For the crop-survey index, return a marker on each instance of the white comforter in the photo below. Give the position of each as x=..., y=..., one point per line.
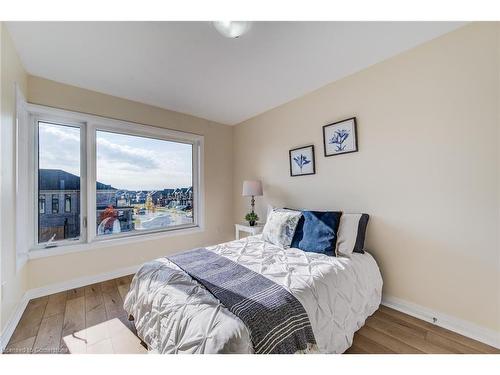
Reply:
x=178, y=315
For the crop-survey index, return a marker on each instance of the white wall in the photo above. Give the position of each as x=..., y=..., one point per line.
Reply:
x=427, y=170
x=14, y=282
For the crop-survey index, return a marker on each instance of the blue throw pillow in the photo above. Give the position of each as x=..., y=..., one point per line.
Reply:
x=299, y=233
x=316, y=232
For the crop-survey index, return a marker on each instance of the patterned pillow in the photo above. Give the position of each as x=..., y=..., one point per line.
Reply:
x=280, y=227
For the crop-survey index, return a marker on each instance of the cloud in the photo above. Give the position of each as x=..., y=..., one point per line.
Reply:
x=138, y=163
x=125, y=157
x=59, y=148
x=69, y=134
x=123, y=162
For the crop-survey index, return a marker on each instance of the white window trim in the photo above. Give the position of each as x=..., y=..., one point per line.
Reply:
x=34, y=118
x=24, y=200
x=89, y=124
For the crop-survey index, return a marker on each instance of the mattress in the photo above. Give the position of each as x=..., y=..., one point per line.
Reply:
x=176, y=314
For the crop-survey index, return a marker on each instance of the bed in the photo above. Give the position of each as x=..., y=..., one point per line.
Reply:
x=174, y=313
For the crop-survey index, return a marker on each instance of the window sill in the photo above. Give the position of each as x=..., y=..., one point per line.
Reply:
x=103, y=243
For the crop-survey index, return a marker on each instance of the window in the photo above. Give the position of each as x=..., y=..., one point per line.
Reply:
x=113, y=179
x=58, y=175
x=143, y=183
x=67, y=202
x=41, y=204
x=55, y=204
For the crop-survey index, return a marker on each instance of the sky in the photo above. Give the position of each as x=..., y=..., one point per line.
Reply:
x=123, y=161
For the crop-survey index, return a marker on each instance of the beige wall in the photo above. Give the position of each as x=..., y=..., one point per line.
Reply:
x=218, y=183
x=11, y=73
x=427, y=170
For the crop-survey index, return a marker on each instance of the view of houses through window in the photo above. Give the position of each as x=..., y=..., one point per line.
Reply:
x=143, y=183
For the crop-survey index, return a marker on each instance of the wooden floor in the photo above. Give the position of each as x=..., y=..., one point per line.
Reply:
x=91, y=319
x=389, y=331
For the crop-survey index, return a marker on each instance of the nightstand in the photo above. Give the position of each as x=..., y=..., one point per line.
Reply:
x=256, y=229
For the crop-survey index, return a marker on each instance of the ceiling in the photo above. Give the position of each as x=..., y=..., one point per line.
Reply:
x=190, y=68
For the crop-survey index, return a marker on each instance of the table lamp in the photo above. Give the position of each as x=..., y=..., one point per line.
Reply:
x=252, y=188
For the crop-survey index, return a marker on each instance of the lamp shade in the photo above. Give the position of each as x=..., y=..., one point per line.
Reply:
x=252, y=187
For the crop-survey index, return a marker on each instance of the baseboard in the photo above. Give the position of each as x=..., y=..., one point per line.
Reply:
x=462, y=327
x=56, y=288
x=79, y=282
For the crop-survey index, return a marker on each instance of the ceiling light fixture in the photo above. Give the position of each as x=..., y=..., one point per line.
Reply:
x=232, y=29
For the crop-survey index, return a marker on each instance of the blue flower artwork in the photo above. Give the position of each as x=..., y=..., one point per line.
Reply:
x=301, y=160
x=338, y=139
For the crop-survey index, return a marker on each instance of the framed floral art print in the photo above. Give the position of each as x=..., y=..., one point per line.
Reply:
x=302, y=161
x=340, y=137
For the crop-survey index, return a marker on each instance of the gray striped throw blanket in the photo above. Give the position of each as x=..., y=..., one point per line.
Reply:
x=276, y=320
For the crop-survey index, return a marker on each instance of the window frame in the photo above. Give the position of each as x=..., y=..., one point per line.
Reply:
x=50, y=116
x=89, y=125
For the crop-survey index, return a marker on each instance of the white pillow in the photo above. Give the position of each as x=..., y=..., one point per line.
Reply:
x=351, y=233
x=280, y=227
x=270, y=208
